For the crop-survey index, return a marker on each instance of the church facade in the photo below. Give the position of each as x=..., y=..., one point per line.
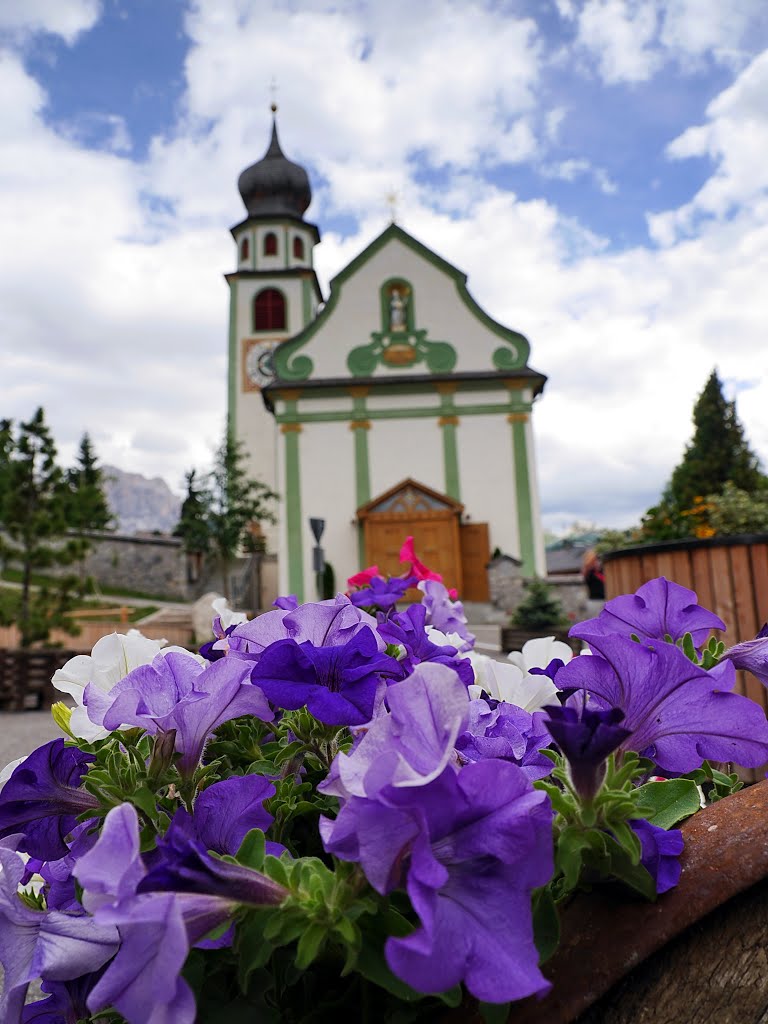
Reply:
x=396, y=407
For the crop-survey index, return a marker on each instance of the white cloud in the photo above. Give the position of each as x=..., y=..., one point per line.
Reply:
x=117, y=311
x=735, y=138
x=631, y=40
x=65, y=18
x=574, y=168
x=620, y=34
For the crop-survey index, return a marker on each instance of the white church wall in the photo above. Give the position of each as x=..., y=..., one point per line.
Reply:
x=328, y=492
x=487, y=476
x=422, y=401
x=405, y=448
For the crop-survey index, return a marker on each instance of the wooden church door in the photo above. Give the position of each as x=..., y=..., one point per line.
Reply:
x=412, y=510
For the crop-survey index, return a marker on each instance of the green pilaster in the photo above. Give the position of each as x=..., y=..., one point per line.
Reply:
x=292, y=499
x=306, y=301
x=523, y=493
x=448, y=423
x=448, y=426
x=360, y=426
x=234, y=362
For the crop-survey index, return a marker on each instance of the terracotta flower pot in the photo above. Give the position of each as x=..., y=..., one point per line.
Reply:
x=696, y=955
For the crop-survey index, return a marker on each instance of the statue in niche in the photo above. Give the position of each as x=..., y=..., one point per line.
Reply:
x=398, y=310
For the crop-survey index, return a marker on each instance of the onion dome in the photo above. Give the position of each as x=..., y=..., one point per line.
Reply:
x=275, y=186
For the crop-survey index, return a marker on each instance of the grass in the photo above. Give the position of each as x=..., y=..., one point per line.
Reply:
x=10, y=599
x=15, y=576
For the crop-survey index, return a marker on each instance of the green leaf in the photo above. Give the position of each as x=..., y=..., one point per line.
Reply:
x=251, y=852
x=688, y=649
x=312, y=938
x=571, y=844
x=145, y=801
x=494, y=1013
x=546, y=924
x=670, y=801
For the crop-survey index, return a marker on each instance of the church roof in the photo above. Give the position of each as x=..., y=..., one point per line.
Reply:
x=275, y=186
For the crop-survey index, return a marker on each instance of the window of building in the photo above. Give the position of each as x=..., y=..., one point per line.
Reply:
x=244, y=249
x=270, y=244
x=269, y=310
x=298, y=248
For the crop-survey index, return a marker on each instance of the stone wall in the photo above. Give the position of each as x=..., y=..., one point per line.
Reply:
x=152, y=565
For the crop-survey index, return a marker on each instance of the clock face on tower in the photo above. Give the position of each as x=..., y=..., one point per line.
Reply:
x=257, y=364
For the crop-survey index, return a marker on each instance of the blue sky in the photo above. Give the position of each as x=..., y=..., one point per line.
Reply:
x=595, y=166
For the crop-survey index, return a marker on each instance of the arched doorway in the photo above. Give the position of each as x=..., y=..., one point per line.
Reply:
x=412, y=509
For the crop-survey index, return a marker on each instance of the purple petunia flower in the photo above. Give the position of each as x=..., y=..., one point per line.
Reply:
x=339, y=684
x=289, y=603
x=507, y=732
x=56, y=946
x=408, y=630
x=177, y=692
x=660, y=854
x=157, y=928
x=382, y=594
x=677, y=713
x=412, y=744
x=66, y=1003
x=469, y=847
x=227, y=811
x=323, y=624
x=656, y=610
x=43, y=798
x=751, y=656
x=586, y=737
x=443, y=613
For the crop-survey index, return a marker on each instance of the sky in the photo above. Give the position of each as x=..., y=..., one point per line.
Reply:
x=597, y=167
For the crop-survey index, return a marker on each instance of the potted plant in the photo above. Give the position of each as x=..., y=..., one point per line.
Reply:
x=320, y=818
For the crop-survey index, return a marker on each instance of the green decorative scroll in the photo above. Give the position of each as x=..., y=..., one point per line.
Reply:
x=286, y=368
x=508, y=358
x=396, y=350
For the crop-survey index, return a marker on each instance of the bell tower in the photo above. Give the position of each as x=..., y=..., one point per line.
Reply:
x=274, y=294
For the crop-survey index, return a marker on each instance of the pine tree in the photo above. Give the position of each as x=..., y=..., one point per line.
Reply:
x=193, y=524
x=539, y=609
x=33, y=516
x=88, y=509
x=717, y=454
x=219, y=517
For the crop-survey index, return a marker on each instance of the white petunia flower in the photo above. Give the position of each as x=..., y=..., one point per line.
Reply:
x=510, y=684
x=111, y=659
x=226, y=615
x=9, y=769
x=539, y=652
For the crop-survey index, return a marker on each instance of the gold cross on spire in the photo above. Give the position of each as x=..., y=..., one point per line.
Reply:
x=391, y=199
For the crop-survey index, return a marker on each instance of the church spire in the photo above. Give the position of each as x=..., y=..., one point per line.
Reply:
x=275, y=186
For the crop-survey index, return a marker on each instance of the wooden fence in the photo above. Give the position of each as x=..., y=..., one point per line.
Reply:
x=25, y=678
x=729, y=575
x=92, y=631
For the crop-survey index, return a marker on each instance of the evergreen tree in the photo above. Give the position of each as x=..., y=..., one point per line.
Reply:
x=219, y=516
x=33, y=516
x=193, y=523
x=717, y=454
x=539, y=609
x=88, y=509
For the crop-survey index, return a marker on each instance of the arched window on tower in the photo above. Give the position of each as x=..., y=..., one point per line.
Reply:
x=270, y=244
x=269, y=310
x=244, y=249
x=298, y=248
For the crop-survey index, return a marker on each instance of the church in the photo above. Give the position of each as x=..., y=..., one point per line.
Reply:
x=393, y=406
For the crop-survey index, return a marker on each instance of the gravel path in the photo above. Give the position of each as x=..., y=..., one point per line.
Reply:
x=22, y=731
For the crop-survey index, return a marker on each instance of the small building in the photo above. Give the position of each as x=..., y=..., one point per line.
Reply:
x=394, y=407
